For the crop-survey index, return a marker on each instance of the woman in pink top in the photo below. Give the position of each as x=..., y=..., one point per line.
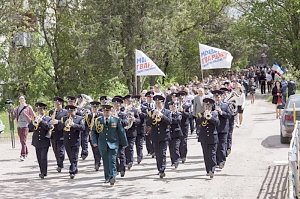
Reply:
x=23, y=114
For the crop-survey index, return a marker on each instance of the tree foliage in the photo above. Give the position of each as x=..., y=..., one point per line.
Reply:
x=88, y=46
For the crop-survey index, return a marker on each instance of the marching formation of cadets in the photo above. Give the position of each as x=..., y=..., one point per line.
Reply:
x=115, y=128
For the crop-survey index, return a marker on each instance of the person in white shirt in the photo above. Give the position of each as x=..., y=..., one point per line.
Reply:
x=157, y=91
x=269, y=81
x=240, y=103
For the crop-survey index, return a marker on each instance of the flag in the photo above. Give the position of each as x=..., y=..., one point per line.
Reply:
x=212, y=58
x=145, y=66
x=278, y=69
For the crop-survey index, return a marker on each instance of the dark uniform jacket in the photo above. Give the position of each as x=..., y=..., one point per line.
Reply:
x=57, y=133
x=186, y=114
x=39, y=139
x=208, y=128
x=141, y=126
x=112, y=136
x=161, y=130
x=72, y=137
x=132, y=132
x=176, y=131
x=223, y=127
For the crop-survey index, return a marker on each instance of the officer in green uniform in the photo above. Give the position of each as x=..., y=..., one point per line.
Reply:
x=108, y=135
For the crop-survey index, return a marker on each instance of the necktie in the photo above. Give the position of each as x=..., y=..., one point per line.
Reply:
x=106, y=121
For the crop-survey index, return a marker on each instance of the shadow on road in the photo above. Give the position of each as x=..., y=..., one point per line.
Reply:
x=263, y=119
x=273, y=142
x=275, y=183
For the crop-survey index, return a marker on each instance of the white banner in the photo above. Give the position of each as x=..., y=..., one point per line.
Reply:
x=144, y=66
x=212, y=58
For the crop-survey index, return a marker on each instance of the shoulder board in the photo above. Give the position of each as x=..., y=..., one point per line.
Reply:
x=199, y=115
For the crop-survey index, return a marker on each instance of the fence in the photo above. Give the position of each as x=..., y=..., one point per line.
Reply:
x=294, y=164
x=293, y=158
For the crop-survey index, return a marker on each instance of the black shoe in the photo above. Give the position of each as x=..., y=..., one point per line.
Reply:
x=183, y=160
x=97, y=167
x=72, y=176
x=221, y=166
x=139, y=161
x=58, y=169
x=41, y=176
x=176, y=165
x=83, y=157
x=211, y=175
x=122, y=173
x=129, y=165
x=228, y=151
x=112, y=181
x=153, y=155
x=106, y=181
x=162, y=174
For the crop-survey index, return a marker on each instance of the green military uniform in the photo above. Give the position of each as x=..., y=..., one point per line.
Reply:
x=109, y=137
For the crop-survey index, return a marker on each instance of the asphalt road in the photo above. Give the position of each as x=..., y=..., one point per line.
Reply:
x=256, y=168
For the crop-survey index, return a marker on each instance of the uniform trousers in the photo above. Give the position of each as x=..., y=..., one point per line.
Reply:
x=84, y=143
x=59, y=152
x=149, y=144
x=96, y=153
x=209, y=154
x=42, y=157
x=72, y=152
x=174, y=150
x=120, y=158
x=139, y=147
x=109, y=157
x=183, y=146
x=222, y=148
x=160, y=149
x=129, y=152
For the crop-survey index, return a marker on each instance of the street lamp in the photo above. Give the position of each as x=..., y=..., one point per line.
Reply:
x=10, y=110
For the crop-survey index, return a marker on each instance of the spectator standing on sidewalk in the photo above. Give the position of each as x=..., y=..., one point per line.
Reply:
x=277, y=98
x=240, y=104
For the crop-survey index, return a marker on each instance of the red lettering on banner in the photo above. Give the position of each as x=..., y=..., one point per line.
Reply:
x=142, y=66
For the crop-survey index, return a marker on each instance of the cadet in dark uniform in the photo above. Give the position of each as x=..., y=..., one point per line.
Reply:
x=185, y=108
x=103, y=100
x=223, y=128
x=208, y=136
x=141, y=132
x=149, y=106
x=40, y=127
x=176, y=134
x=57, y=138
x=159, y=120
x=90, y=124
x=82, y=111
x=131, y=130
x=84, y=134
x=73, y=125
x=233, y=113
x=118, y=112
x=111, y=136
